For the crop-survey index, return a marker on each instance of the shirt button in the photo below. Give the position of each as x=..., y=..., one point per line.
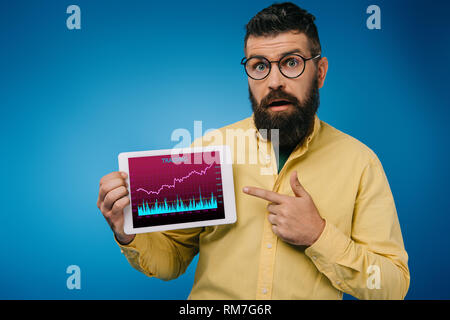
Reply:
x=314, y=257
x=338, y=282
x=269, y=245
x=264, y=291
x=267, y=157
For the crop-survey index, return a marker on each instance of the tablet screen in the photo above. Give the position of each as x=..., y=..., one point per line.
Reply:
x=169, y=189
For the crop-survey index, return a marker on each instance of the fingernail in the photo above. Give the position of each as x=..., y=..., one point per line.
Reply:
x=124, y=175
x=245, y=189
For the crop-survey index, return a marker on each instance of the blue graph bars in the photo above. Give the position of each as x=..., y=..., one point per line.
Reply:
x=178, y=206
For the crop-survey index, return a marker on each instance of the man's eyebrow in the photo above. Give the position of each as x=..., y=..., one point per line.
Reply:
x=281, y=54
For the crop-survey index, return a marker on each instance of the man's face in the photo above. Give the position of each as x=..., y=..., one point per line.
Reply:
x=295, y=116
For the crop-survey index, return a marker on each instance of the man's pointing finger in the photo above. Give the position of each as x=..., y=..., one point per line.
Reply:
x=264, y=194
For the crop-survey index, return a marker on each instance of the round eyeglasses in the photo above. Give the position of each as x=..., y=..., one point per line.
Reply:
x=291, y=66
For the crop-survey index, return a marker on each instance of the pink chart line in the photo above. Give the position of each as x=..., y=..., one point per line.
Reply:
x=175, y=180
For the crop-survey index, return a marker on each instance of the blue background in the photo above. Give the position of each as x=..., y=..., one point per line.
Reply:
x=71, y=100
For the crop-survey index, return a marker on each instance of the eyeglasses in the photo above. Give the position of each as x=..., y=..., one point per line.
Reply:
x=291, y=66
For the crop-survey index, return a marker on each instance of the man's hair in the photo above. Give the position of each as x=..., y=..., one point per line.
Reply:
x=284, y=17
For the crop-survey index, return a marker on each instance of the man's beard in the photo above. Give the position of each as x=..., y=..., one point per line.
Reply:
x=294, y=125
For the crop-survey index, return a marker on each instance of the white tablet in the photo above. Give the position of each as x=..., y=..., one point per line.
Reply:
x=178, y=188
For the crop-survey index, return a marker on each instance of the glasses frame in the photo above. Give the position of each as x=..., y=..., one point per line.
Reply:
x=244, y=62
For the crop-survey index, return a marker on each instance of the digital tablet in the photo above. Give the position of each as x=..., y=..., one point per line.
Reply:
x=178, y=188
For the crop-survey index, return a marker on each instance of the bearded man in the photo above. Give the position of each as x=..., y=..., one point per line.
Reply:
x=315, y=218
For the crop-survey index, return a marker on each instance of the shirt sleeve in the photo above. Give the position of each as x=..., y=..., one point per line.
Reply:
x=164, y=255
x=372, y=263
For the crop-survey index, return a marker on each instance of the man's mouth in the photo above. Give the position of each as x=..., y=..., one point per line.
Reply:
x=279, y=105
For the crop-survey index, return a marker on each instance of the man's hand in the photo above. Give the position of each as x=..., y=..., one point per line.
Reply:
x=295, y=220
x=112, y=199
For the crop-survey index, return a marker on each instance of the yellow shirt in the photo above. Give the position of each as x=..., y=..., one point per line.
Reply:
x=360, y=251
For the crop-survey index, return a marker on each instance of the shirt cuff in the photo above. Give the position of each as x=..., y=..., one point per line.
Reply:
x=132, y=252
x=132, y=249
x=329, y=247
x=125, y=245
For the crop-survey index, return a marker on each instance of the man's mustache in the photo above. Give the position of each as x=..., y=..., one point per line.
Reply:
x=277, y=95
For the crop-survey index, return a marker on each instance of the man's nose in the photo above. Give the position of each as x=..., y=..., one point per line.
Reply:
x=275, y=79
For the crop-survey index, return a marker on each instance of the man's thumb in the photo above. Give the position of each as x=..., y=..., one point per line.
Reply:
x=296, y=186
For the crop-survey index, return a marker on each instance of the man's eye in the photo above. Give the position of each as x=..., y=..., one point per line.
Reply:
x=260, y=67
x=292, y=63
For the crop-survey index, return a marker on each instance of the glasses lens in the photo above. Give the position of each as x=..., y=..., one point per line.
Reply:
x=257, y=67
x=292, y=66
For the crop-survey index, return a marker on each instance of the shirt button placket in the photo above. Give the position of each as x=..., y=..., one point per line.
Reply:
x=265, y=277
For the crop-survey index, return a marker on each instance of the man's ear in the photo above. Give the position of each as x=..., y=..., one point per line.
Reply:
x=322, y=67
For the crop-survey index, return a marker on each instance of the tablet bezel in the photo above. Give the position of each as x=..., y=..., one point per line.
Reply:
x=227, y=189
